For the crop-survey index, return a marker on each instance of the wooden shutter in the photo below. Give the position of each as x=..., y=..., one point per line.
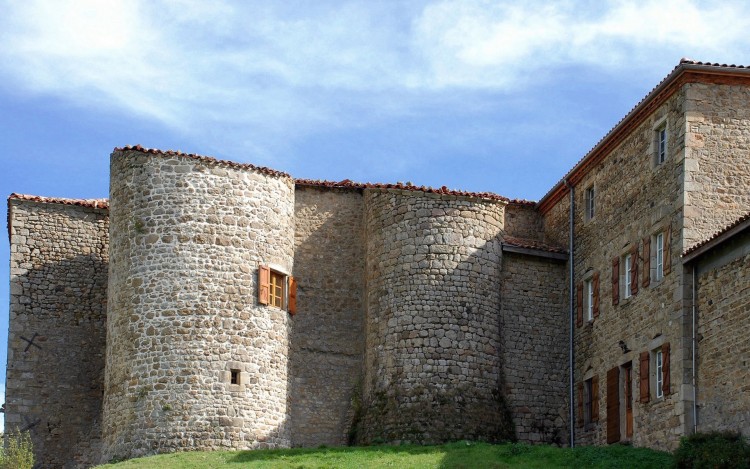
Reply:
x=264, y=284
x=665, y=368
x=613, y=405
x=595, y=286
x=646, y=261
x=579, y=304
x=667, y=257
x=645, y=396
x=292, y=296
x=616, y=280
x=634, y=270
x=595, y=399
x=579, y=418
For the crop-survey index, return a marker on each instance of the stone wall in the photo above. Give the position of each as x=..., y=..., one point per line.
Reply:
x=188, y=235
x=634, y=199
x=327, y=339
x=717, y=167
x=432, y=356
x=534, y=336
x=523, y=221
x=58, y=296
x=724, y=338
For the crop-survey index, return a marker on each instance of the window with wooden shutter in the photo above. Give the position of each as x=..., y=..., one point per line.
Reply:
x=665, y=368
x=264, y=284
x=668, y=251
x=634, y=270
x=595, y=281
x=292, y=296
x=579, y=304
x=643, y=372
x=646, y=261
x=276, y=296
x=579, y=417
x=616, y=280
x=613, y=405
x=595, y=399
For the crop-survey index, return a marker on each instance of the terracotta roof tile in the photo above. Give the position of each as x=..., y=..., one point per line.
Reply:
x=719, y=233
x=93, y=203
x=532, y=244
x=205, y=159
x=346, y=183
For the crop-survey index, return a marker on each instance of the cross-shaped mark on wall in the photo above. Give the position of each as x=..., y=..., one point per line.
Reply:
x=31, y=342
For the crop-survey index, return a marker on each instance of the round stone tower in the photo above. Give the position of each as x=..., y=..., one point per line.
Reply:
x=432, y=358
x=194, y=361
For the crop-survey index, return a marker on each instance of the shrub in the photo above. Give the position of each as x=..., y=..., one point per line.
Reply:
x=18, y=452
x=713, y=450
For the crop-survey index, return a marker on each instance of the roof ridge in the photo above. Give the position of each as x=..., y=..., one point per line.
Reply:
x=94, y=203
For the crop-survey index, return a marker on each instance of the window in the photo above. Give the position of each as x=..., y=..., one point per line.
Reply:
x=627, y=267
x=659, y=373
x=234, y=377
x=277, y=289
x=659, y=256
x=589, y=306
x=661, y=143
x=588, y=401
x=589, y=203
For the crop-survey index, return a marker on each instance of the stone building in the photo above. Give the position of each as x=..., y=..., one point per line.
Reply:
x=209, y=304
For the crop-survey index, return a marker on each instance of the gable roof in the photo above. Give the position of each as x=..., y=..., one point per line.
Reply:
x=687, y=71
x=737, y=226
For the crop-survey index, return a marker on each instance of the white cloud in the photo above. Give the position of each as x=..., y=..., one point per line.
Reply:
x=264, y=72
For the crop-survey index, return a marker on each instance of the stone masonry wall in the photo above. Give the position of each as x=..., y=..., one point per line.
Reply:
x=327, y=339
x=717, y=166
x=58, y=300
x=534, y=337
x=634, y=199
x=724, y=346
x=523, y=221
x=187, y=238
x=432, y=357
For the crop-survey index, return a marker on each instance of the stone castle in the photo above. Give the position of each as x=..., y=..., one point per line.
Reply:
x=209, y=304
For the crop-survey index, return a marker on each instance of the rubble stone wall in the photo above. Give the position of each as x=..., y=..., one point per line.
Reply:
x=58, y=303
x=187, y=238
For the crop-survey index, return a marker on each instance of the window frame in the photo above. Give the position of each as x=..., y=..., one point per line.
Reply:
x=277, y=280
x=589, y=203
x=658, y=256
x=658, y=373
x=588, y=401
x=588, y=287
x=662, y=144
x=627, y=288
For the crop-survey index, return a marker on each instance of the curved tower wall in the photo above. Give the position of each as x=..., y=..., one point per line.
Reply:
x=432, y=364
x=187, y=237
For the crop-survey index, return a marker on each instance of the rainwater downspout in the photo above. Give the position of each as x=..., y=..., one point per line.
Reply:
x=695, y=389
x=571, y=286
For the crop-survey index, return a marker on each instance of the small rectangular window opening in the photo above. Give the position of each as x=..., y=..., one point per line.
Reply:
x=659, y=374
x=661, y=144
x=659, y=264
x=235, y=377
x=276, y=297
x=626, y=276
x=588, y=401
x=589, y=288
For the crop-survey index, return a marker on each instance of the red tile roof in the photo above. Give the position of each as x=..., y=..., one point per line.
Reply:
x=532, y=244
x=686, y=71
x=735, y=224
x=204, y=159
x=93, y=203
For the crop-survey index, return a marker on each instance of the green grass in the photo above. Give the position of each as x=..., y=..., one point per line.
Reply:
x=462, y=455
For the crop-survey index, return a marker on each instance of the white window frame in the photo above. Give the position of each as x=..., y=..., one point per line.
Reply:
x=661, y=144
x=626, y=286
x=659, y=373
x=659, y=256
x=588, y=287
x=590, y=202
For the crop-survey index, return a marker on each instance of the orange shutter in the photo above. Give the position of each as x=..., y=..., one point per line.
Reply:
x=646, y=261
x=634, y=270
x=613, y=405
x=615, y=280
x=595, y=399
x=292, y=296
x=579, y=418
x=668, y=251
x=665, y=368
x=579, y=305
x=644, y=377
x=264, y=283
x=595, y=285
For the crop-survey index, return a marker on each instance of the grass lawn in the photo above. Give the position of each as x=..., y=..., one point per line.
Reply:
x=453, y=455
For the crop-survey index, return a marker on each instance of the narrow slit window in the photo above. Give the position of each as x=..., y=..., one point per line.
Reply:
x=235, y=377
x=627, y=287
x=659, y=376
x=659, y=256
x=661, y=144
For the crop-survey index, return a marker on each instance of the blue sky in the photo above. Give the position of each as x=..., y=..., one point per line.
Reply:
x=496, y=96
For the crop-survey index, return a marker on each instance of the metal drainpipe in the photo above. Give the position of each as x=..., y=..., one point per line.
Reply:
x=571, y=286
x=695, y=390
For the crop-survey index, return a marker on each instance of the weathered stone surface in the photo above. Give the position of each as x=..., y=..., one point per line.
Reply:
x=58, y=302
